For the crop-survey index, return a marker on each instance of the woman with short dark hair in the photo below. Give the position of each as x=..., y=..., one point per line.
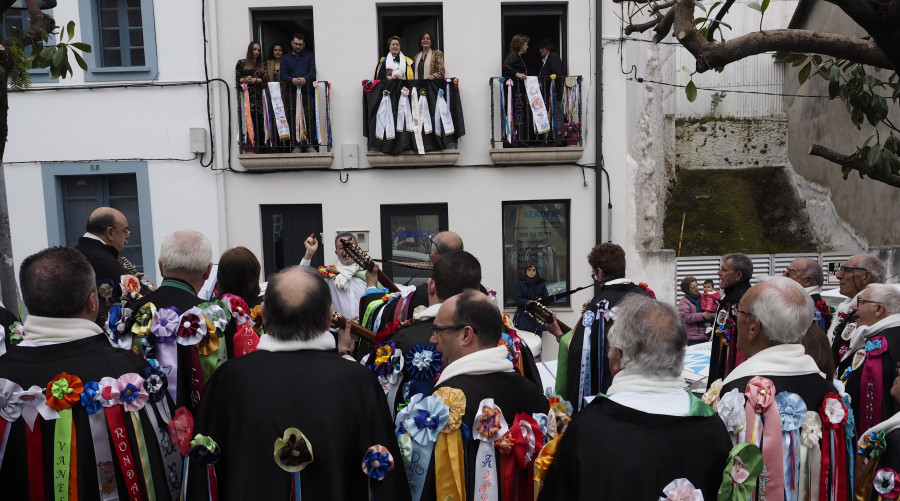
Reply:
x=531, y=287
x=689, y=309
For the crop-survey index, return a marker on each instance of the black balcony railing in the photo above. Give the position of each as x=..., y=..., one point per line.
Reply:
x=273, y=123
x=521, y=118
x=389, y=115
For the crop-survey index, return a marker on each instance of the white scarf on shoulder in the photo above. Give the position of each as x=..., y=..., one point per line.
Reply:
x=323, y=342
x=486, y=361
x=400, y=66
x=664, y=395
x=844, y=308
x=43, y=331
x=865, y=332
x=345, y=274
x=779, y=360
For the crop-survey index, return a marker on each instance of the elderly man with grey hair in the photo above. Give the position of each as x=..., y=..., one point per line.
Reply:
x=771, y=319
x=645, y=409
x=867, y=369
x=854, y=275
x=734, y=274
x=296, y=385
x=808, y=273
x=185, y=262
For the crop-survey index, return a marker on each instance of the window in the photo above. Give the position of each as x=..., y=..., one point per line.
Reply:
x=405, y=231
x=536, y=232
x=17, y=19
x=74, y=190
x=277, y=26
x=538, y=21
x=409, y=23
x=284, y=229
x=123, y=38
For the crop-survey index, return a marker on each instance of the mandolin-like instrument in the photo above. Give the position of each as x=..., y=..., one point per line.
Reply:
x=339, y=321
x=145, y=282
x=543, y=315
x=365, y=262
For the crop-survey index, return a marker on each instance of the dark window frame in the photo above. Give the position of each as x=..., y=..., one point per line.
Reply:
x=268, y=239
x=509, y=249
x=540, y=11
x=398, y=11
x=441, y=210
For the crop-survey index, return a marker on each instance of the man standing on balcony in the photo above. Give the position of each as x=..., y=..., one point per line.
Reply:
x=299, y=68
x=551, y=64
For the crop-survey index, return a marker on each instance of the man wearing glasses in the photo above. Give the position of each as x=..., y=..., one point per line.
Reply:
x=868, y=368
x=734, y=280
x=854, y=275
x=105, y=236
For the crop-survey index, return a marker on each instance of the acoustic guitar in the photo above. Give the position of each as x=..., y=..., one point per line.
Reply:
x=365, y=262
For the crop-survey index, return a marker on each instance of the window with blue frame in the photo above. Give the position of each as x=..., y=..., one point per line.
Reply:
x=18, y=20
x=123, y=37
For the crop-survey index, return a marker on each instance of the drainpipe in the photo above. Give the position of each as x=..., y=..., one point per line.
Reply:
x=221, y=126
x=598, y=134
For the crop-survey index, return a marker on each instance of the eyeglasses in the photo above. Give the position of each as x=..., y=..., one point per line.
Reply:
x=860, y=301
x=788, y=272
x=125, y=230
x=845, y=269
x=737, y=310
x=438, y=328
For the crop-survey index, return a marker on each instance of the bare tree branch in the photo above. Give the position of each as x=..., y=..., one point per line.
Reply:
x=642, y=27
x=660, y=6
x=664, y=27
x=856, y=164
x=710, y=33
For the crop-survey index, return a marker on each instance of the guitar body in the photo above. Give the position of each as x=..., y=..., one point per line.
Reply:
x=543, y=314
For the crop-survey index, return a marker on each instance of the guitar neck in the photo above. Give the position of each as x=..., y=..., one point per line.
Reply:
x=361, y=331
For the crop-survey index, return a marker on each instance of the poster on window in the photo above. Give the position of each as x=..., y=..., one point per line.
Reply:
x=536, y=237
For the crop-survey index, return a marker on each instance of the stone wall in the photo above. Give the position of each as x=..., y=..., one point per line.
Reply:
x=722, y=143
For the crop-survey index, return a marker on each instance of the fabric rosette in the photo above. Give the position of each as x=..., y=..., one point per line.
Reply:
x=10, y=410
x=209, y=344
x=518, y=455
x=192, y=327
x=507, y=342
x=872, y=444
x=155, y=380
x=886, y=483
x=64, y=391
x=165, y=324
x=377, y=462
x=731, y=411
x=112, y=321
x=488, y=427
x=127, y=390
x=293, y=452
x=558, y=401
x=143, y=319
x=792, y=410
x=90, y=397
x=381, y=362
x=131, y=287
x=204, y=450
x=742, y=470
x=32, y=402
x=239, y=309
x=423, y=362
x=404, y=410
x=681, y=489
x=215, y=312
x=764, y=427
x=712, y=395
x=16, y=333
x=426, y=420
x=181, y=430
x=455, y=400
x=834, y=417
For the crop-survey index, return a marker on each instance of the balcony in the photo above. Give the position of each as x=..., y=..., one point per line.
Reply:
x=515, y=139
x=276, y=131
x=412, y=122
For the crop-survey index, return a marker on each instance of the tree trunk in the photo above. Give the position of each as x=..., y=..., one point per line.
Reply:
x=8, y=285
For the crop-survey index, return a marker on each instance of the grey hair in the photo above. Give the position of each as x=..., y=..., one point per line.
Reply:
x=651, y=335
x=875, y=267
x=887, y=295
x=812, y=269
x=784, y=309
x=741, y=263
x=185, y=252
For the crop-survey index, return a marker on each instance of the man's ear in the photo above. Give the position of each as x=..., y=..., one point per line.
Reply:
x=432, y=289
x=207, y=272
x=92, y=305
x=162, y=272
x=740, y=276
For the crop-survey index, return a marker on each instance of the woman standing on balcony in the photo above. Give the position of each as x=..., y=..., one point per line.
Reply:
x=429, y=62
x=250, y=74
x=273, y=64
x=395, y=65
x=515, y=70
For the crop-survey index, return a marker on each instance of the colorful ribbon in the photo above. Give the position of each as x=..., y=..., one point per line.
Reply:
x=764, y=430
x=248, y=116
x=871, y=383
x=832, y=483
x=426, y=419
x=449, y=459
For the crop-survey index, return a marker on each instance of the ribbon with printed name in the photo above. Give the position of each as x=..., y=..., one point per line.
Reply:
x=488, y=427
x=426, y=420
x=63, y=392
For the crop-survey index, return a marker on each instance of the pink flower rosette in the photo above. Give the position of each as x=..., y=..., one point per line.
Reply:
x=165, y=324
x=192, y=327
x=681, y=489
x=886, y=483
x=181, y=430
x=33, y=401
x=760, y=393
x=127, y=390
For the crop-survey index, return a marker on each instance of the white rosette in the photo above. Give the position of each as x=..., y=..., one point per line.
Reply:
x=731, y=410
x=486, y=461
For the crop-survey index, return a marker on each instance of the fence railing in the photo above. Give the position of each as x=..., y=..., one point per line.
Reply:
x=705, y=267
x=276, y=121
x=513, y=112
